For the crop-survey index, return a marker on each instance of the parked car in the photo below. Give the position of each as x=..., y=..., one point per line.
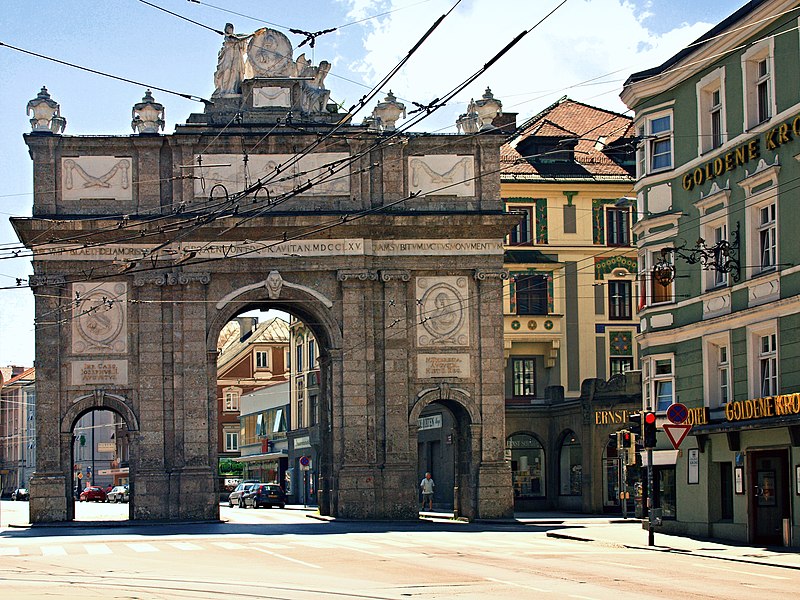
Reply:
x=20, y=494
x=95, y=493
x=265, y=494
x=119, y=493
x=236, y=495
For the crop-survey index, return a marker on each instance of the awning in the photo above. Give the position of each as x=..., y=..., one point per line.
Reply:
x=661, y=458
x=260, y=457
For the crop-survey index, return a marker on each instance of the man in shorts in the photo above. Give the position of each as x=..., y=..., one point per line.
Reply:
x=427, y=485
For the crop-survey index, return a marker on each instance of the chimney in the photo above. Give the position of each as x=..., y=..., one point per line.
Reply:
x=247, y=326
x=506, y=122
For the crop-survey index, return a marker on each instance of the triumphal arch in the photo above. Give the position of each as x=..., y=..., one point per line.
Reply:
x=388, y=245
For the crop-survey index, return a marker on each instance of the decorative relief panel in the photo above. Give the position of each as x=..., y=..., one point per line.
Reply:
x=442, y=311
x=99, y=318
x=442, y=175
x=269, y=96
x=96, y=177
x=314, y=168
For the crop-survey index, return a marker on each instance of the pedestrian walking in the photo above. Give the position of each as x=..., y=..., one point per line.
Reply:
x=426, y=485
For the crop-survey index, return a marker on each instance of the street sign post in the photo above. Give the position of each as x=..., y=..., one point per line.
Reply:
x=676, y=433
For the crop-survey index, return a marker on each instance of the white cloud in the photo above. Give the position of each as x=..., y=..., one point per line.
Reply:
x=600, y=40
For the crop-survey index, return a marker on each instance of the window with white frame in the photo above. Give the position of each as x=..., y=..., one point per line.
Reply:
x=232, y=399
x=767, y=234
x=717, y=363
x=714, y=233
x=262, y=359
x=711, y=113
x=231, y=440
x=768, y=364
x=652, y=289
x=762, y=355
x=759, y=83
x=659, y=382
x=655, y=151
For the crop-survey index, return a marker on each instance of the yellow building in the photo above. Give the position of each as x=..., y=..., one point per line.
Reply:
x=569, y=303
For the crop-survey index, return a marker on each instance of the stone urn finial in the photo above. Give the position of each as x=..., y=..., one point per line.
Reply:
x=389, y=111
x=488, y=107
x=468, y=122
x=46, y=114
x=148, y=115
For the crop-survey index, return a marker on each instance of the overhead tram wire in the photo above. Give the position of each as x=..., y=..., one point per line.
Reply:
x=104, y=74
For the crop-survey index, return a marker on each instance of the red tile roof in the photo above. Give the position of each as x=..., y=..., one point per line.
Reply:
x=594, y=128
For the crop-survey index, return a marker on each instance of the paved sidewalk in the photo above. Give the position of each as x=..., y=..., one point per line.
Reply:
x=614, y=531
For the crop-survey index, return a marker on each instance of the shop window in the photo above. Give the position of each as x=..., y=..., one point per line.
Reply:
x=524, y=370
x=531, y=295
x=618, y=227
x=619, y=300
x=523, y=231
x=571, y=467
x=527, y=466
x=262, y=359
x=759, y=83
x=664, y=480
x=726, y=491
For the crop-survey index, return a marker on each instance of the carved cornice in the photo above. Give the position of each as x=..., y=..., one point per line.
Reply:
x=163, y=279
x=395, y=275
x=356, y=275
x=46, y=280
x=483, y=274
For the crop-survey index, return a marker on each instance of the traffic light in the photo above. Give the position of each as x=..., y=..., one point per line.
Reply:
x=636, y=420
x=649, y=427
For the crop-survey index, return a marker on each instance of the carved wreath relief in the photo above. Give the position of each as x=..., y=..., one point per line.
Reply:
x=96, y=177
x=442, y=175
x=442, y=312
x=99, y=318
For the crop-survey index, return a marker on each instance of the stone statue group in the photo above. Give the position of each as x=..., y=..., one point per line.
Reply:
x=268, y=53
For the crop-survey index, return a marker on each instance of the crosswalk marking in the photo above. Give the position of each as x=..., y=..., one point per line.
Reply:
x=12, y=551
x=97, y=549
x=185, y=546
x=53, y=551
x=228, y=545
x=142, y=547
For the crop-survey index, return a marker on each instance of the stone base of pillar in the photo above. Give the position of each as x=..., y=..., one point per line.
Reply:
x=495, y=491
x=185, y=495
x=374, y=493
x=48, y=503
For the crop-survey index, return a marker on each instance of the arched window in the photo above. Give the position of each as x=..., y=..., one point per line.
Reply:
x=571, y=466
x=527, y=465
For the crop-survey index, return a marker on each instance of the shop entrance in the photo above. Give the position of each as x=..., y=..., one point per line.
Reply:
x=769, y=505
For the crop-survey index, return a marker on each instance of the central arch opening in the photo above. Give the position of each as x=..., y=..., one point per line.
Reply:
x=273, y=405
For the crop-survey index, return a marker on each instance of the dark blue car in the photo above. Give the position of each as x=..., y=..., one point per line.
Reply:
x=265, y=494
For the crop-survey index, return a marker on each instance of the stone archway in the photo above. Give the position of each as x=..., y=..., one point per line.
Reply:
x=392, y=253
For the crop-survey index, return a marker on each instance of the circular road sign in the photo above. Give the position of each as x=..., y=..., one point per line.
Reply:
x=677, y=413
x=305, y=461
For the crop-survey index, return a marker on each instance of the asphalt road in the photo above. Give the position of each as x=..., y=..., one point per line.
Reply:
x=283, y=554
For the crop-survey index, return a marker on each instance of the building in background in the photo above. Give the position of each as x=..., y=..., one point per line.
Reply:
x=569, y=304
x=719, y=125
x=252, y=355
x=262, y=441
x=304, y=434
x=17, y=428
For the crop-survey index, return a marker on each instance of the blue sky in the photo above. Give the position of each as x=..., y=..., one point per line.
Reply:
x=598, y=40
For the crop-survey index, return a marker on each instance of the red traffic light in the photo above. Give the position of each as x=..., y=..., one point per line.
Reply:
x=650, y=418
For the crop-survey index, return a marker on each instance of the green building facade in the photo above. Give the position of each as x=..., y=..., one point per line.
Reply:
x=718, y=236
